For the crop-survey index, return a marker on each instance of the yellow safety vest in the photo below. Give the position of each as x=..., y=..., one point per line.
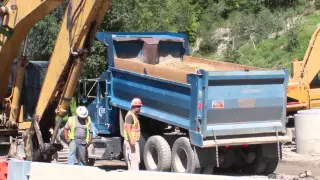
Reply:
x=72, y=125
x=135, y=127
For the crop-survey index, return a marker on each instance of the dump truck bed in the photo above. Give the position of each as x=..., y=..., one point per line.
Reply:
x=174, y=69
x=212, y=99
x=223, y=104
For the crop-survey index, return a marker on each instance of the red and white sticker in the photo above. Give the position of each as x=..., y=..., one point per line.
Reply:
x=217, y=104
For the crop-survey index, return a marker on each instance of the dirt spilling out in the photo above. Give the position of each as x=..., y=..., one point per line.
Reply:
x=183, y=66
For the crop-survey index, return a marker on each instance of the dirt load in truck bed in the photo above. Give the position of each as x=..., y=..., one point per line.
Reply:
x=175, y=70
x=184, y=66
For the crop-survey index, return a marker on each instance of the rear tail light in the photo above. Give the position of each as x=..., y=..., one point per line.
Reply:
x=199, y=105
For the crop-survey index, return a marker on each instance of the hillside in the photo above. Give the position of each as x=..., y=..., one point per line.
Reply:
x=262, y=33
x=276, y=51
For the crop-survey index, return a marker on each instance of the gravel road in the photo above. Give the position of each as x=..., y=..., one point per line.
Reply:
x=290, y=167
x=294, y=169
x=285, y=169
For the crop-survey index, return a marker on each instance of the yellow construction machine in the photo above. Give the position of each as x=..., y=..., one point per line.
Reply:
x=304, y=86
x=73, y=44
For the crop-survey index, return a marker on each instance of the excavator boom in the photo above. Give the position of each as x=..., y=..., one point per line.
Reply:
x=303, y=91
x=18, y=17
x=74, y=42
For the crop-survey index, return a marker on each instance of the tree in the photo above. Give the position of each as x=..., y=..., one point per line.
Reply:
x=250, y=22
x=317, y=4
x=42, y=36
x=96, y=62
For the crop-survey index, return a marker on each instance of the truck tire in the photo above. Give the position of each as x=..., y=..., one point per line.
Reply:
x=207, y=170
x=157, y=154
x=271, y=166
x=259, y=164
x=91, y=162
x=183, y=160
x=272, y=161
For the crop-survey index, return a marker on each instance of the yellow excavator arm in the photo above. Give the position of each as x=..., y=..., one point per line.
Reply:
x=74, y=41
x=309, y=67
x=302, y=92
x=17, y=18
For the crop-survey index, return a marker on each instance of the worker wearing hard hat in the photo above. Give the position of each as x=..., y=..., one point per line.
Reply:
x=78, y=135
x=131, y=149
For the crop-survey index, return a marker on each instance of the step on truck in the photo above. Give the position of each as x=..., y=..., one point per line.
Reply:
x=198, y=115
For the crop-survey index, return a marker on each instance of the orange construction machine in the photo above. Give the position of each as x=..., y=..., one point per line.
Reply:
x=304, y=85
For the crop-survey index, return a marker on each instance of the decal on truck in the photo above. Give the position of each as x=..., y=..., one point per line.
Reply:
x=247, y=103
x=291, y=88
x=101, y=111
x=217, y=104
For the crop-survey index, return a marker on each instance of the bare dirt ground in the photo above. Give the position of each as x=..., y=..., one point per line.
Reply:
x=287, y=171
x=294, y=164
x=291, y=165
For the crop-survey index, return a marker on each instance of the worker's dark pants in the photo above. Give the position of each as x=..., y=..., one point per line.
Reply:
x=77, y=151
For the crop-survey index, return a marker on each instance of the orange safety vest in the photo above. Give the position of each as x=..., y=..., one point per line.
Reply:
x=135, y=128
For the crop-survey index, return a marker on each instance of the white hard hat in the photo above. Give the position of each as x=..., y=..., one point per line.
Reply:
x=82, y=112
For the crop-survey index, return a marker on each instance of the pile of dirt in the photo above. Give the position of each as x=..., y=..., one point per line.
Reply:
x=187, y=67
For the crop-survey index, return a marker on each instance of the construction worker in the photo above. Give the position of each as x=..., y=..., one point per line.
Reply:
x=78, y=135
x=132, y=135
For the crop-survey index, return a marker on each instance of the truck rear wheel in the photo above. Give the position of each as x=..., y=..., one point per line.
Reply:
x=258, y=165
x=183, y=160
x=207, y=169
x=91, y=162
x=157, y=154
x=265, y=161
x=271, y=166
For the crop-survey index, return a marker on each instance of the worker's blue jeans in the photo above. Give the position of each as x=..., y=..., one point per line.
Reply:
x=77, y=151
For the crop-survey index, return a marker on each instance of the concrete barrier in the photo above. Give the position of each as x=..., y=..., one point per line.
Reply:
x=307, y=123
x=24, y=170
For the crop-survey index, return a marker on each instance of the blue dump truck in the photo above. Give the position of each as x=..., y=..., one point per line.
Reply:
x=198, y=115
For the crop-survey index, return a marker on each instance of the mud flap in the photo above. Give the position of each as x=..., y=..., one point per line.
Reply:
x=204, y=156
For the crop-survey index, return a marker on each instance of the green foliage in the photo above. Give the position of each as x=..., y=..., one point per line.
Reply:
x=208, y=46
x=42, y=36
x=249, y=23
x=136, y=15
x=182, y=17
x=292, y=39
x=279, y=52
x=96, y=63
x=317, y=4
x=152, y=15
